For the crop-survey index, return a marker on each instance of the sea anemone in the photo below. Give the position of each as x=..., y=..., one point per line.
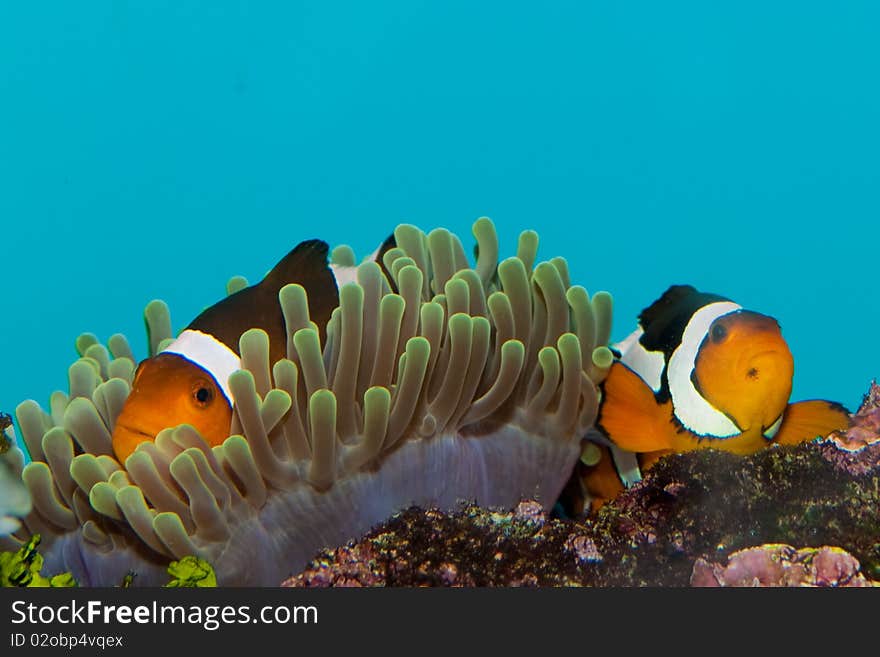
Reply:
x=441, y=383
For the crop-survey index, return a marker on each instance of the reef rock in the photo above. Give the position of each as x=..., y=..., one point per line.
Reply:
x=471, y=547
x=692, y=512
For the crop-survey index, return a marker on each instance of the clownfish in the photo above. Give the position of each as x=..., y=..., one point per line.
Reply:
x=186, y=383
x=699, y=372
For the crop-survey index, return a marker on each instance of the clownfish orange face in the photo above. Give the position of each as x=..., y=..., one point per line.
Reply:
x=744, y=369
x=169, y=390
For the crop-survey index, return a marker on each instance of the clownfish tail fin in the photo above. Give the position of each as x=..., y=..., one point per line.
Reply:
x=806, y=420
x=630, y=415
x=389, y=243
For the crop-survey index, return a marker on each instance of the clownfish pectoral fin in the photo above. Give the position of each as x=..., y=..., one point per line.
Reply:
x=630, y=415
x=648, y=459
x=808, y=419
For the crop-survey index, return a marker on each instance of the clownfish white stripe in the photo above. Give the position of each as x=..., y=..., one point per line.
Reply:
x=348, y=274
x=773, y=429
x=690, y=407
x=344, y=274
x=647, y=364
x=210, y=354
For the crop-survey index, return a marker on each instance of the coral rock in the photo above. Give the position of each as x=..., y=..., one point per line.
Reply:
x=470, y=547
x=691, y=512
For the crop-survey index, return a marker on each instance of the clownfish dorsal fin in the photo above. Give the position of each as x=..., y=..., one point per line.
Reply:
x=307, y=264
x=306, y=260
x=257, y=306
x=670, y=299
x=665, y=320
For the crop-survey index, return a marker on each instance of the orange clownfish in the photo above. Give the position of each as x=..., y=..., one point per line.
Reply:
x=186, y=383
x=699, y=372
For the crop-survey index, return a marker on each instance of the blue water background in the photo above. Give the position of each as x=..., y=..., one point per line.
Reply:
x=154, y=149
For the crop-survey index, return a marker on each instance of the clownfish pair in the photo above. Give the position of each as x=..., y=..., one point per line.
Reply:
x=186, y=383
x=699, y=372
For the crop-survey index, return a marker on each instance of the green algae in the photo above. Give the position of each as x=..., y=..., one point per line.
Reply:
x=23, y=568
x=191, y=572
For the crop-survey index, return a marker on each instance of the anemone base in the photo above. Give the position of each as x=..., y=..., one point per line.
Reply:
x=267, y=545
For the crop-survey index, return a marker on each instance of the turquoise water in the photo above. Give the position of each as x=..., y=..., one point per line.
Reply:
x=152, y=150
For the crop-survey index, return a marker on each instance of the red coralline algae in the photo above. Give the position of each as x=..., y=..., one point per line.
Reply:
x=856, y=450
x=782, y=565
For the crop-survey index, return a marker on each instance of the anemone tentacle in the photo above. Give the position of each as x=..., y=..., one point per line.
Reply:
x=445, y=382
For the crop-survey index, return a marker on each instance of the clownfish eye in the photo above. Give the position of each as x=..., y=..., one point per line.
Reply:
x=718, y=333
x=203, y=394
